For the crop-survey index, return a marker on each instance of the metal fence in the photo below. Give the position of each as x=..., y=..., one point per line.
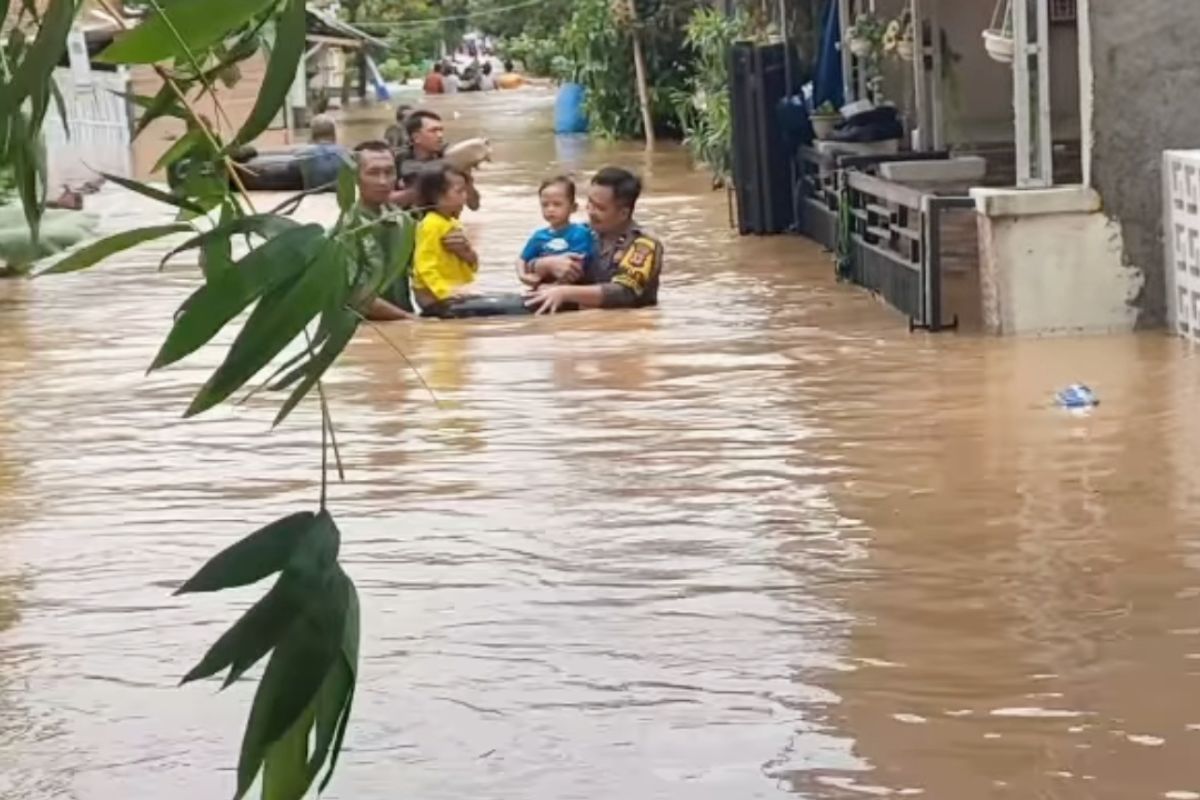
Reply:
x=888, y=237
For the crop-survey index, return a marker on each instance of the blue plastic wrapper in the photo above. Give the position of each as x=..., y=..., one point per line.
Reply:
x=1077, y=396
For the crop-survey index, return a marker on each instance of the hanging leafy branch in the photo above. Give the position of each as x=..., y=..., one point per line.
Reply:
x=301, y=283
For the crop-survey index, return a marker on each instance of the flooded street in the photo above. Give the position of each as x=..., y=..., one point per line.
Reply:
x=760, y=542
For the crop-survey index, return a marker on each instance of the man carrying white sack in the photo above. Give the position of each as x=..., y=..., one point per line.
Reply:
x=427, y=150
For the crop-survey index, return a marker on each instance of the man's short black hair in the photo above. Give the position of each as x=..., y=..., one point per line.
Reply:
x=416, y=120
x=402, y=112
x=373, y=146
x=559, y=180
x=487, y=68
x=433, y=182
x=370, y=146
x=626, y=187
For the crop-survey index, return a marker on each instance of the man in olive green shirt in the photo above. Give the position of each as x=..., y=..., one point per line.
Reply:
x=376, y=182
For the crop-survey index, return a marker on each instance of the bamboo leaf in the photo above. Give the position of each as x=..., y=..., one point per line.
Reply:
x=330, y=707
x=285, y=773
x=178, y=148
x=347, y=188
x=154, y=194
x=277, y=319
x=36, y=68
x=342, y=324
x=281, y=71
x=299, y=665
x=213, y=305
x=60, y=105
x=264, y=225
x=252, y=636
x=216, y=255
x=29, y=168
x=200, y=24
x=350, y=640
x=262, y=553
x=163, y=103
x=98, y=251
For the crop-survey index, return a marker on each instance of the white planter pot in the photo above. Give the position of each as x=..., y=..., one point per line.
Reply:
x=860, y=47
x=824, y=126
x=999, y=46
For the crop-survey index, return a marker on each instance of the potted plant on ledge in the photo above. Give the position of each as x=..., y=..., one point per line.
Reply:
x=825, y=120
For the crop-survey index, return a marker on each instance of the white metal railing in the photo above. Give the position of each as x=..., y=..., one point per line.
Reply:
x=97, y=137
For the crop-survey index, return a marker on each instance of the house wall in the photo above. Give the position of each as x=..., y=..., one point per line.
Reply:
x=1147, y=71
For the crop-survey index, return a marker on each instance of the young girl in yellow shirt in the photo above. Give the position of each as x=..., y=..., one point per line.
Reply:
x=444, y=263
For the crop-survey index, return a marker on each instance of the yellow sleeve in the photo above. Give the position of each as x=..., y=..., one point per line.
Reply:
x=637, y=266
x=429, y=256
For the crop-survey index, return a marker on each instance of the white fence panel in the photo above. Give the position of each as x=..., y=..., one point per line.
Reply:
x=1181, y=231
x=98, y=122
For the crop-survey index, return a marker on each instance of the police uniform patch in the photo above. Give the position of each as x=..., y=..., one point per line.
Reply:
x=640, y=253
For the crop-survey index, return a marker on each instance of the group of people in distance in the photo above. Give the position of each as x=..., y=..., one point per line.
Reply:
x=446, y=78
x=610, y=262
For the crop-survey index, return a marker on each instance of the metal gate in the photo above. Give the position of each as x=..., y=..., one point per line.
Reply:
x=97, y=137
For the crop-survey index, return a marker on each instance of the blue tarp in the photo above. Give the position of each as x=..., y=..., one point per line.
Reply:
x=827, y=85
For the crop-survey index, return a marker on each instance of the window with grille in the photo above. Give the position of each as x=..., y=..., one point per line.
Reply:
x=1062, y=10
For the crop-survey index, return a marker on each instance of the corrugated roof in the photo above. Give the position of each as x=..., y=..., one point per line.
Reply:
x=335, y=27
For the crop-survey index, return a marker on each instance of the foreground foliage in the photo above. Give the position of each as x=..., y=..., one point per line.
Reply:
x=302, y=284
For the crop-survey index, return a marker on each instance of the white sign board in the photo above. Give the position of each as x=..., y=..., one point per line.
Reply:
x=77, y=52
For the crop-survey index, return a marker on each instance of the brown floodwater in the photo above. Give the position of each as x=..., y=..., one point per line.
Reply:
x=759, y=542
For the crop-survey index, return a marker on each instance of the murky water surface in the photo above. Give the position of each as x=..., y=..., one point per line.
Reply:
x=759, y=542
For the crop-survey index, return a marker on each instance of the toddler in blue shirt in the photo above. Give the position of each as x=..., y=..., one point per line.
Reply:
x=561, y=236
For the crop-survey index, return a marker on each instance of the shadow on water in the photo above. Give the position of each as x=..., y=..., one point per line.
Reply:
x=759, y=542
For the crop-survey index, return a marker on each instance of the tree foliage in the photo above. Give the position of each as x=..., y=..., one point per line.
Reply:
x=302, y=285
x=703, y=107
x=599, y=45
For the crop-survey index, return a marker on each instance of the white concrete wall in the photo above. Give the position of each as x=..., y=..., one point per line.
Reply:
x=1050, y=264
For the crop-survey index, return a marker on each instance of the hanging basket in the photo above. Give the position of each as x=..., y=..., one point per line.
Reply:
x=998, y=39
x=999, y=45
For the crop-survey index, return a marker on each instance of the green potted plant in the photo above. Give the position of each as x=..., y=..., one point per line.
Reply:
x=825, y=119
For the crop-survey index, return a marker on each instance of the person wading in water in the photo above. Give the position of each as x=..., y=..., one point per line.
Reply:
x=625, y=270
x=376, y=182
x=426, y=143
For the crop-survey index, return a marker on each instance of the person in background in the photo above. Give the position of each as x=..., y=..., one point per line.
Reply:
x=625, y=270
x=376, y=180
x=451, y=80
x=560, y=237
x=487, y=82
x=444, y=262
x=324, y=159
x=509, y=79
x=395, y=135
x=426, y=141
x=434, y=83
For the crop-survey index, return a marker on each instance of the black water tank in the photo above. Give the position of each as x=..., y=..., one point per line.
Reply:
x=762, y=165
